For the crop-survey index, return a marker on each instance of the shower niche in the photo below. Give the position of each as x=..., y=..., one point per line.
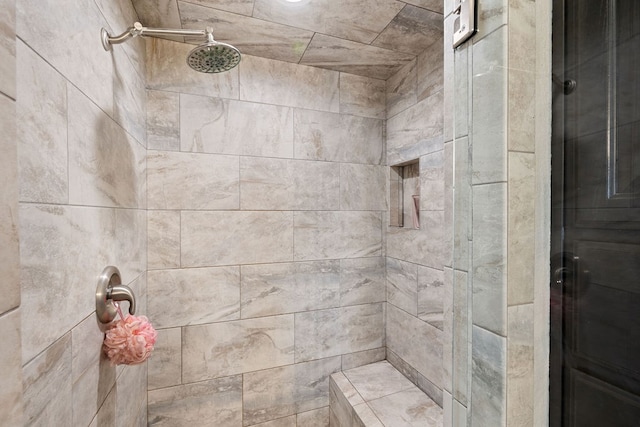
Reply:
x=404, y=200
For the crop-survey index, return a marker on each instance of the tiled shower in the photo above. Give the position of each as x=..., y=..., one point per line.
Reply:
x=250, y=211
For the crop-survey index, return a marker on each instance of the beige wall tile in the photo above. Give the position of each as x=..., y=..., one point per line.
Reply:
x=488, y=386
x=402, y=285
x=362, y=96
x=163, y=239
x=234, y=237
x=430, y=68
x=163, y=120
x=430, y=295
x=11, y=366
x=8, y=48
x=402, y=89
x=192, y=181
x=315, y=418
x=362, y=280
x=363, y=187
x=520, y=360
x=165, y=365
x=228, y=348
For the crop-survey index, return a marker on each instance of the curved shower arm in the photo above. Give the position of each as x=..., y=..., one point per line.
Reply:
x=139, y=30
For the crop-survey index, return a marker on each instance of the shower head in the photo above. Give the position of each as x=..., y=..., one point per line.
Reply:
x=213, y=56
x=209, y=57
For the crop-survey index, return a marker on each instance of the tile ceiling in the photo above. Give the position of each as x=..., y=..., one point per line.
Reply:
x=372, y=38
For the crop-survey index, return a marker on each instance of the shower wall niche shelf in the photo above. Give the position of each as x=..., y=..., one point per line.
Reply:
x=404, y=198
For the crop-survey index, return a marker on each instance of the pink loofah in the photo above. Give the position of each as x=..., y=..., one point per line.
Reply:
x=130, y=340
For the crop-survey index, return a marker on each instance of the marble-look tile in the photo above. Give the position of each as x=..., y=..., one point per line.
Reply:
x=448, y=102
x=411, y=31
x=432, y=181
x=402, y=366
x=11, y=367
x=193, y=296
x=108, y=236
x=344, y=19
x=362, y=96
x=491, y=15
x=402, y=285
x=192, y=181
x=71, y=45
x=425, y=246
x=159, y=13
x=520, y=361
x=490, y=108
x=377, y=380
x=337, y=331
x=41, y=117
x=167, y=70
x=461, y=344
x=488, y=383
x=278, y=184
x=165, y=363
x=192, y=404
x=279, y=392
x=449, y=169
x=431, y=295
x=335, y=235
x=106, y=165
x=120, y=15
x=361, y=358
x=241, y=7
x=92, y=375
x=364, y=417
x=403, y=331
x=462, y=222
x=490, y=257
x=337, y=137
x=163, y=239
x=354, y=58
x=288, y=288
x=220, y=126
x=417, y=410
x=9, y=227
x=229, y=238
x=280, y=83
x=363, y=187
x=8, y=48
x=433, y=391
x=402, y=89
x=434, y=5
x=106, y=415
x=430, y=69
x=423, y=121
x=521, y=226
x=343, y=397
x=163, y=120
x=235, y=347
x=47, y=384
x=289, y=421
x=258, y=37
x=362, y=280
x=314, y=418
x=447, y=331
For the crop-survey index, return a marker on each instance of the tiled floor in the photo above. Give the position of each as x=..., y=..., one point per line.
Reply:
x=377, y=395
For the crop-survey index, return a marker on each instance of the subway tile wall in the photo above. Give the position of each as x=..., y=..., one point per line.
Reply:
x=267, y=190
x=81, y=142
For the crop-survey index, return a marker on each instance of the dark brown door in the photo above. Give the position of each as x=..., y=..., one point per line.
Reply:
x=595, y=265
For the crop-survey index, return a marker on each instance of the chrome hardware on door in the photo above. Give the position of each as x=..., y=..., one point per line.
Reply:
x=109, y=290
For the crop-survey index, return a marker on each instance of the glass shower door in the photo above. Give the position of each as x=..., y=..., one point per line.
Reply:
x=595, y=265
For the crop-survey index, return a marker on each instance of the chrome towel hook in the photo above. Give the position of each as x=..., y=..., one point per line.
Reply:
x=110, y=289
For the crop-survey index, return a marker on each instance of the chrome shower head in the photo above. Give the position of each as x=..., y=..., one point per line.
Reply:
x=213, y=56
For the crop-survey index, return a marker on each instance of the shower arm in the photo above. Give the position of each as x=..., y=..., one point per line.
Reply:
x=139, y=30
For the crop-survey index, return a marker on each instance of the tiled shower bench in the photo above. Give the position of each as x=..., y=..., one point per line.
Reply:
x=378, y=395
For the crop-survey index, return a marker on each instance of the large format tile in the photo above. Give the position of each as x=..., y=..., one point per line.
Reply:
x=221, y=126
x=488, y=383
x=361, y=358
x=334, y=235
x=337, y=137
x=228, y=348
x=41, y=117
x=520, y=366
x=106, y=164
x=430, y=295
x=362, y=96
x=490, y=257
x=9, y=239
x=344, y=19
x=377, y=380
x=163, y=239
x=402, y=285
x=165, y=366
x=342, y=398
x=258, y=37
x=11, y=393
x=193, y=296
x=336, y=331
x=411, y=31
x=401, y=89
x=426, y=246
x=430, y=69
x=419, y=410
x=283, y=391
x=314, y=418
x=167, y=70
x=363, y=187
x=271, y=289
x=192, y=181
x=362, y=280
x=277, y=184
x=198, y=404
x=163, y=120
x=229, y=238
x=47, y=386
x=8, y=48
x=280, y=83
